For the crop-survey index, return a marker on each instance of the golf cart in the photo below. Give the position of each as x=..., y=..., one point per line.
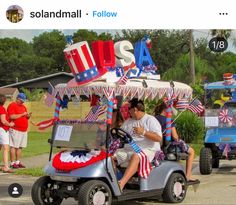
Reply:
x=220, y=138
x=83, y=168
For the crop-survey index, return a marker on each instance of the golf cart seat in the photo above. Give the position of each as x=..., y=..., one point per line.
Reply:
x=173, y=152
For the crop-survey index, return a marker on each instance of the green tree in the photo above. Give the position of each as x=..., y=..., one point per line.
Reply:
x=51, y=45
x=85, y=35
x=224, y=33
x=34, y=94
x=13, y=52
x=180, y=72
x=167, y=45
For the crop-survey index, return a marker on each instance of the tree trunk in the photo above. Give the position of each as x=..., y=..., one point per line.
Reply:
x=191, y=53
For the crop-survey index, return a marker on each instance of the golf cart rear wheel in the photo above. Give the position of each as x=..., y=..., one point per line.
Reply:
x=175, y=190
x=95, y=192
x=44, y=192
x=205, y=161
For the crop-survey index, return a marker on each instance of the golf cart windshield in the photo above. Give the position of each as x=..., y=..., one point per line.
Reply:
x=79, y=134
x=222, y=117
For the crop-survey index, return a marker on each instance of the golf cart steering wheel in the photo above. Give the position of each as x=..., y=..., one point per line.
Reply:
x=121, y=134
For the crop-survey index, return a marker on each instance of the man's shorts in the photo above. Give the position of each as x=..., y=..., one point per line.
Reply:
x=17, y=138
x=4, y=136
x=124, y=155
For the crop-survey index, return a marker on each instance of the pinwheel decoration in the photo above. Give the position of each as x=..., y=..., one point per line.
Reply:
x=225, y=115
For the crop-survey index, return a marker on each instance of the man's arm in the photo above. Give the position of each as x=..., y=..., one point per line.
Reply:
x=16, y=116
x=5, y=122
x=148, y=134
x=152, y=136
x=174, y=134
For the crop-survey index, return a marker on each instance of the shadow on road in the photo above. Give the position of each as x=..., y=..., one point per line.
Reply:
x=226, y=170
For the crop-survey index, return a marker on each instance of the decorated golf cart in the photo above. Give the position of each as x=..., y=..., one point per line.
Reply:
x=220, y=121
x=82, y=168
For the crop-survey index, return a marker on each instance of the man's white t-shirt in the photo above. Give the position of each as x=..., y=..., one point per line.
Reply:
x=149, y=123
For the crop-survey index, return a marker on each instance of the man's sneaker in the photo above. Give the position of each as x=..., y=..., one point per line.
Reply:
x=21, y=165
x=14, y=166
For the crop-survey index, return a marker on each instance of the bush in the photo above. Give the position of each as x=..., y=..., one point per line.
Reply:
x=150, y=106
x=190, y=127
x=34, y=94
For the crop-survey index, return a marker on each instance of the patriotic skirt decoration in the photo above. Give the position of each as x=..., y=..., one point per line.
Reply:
x=70, y=160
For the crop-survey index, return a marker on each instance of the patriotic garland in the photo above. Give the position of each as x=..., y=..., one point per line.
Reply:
x=48, y=123
x=226, y=148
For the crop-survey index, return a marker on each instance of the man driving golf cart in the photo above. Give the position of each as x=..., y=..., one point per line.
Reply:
x=146, y=132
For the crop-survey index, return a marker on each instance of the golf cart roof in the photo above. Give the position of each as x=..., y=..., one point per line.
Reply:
x=134, y=87
x=219, y=85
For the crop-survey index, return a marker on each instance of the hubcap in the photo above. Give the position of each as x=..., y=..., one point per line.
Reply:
x=178, y=189
x=99, y=198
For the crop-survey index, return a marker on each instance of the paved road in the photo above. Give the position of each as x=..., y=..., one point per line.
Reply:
x=219, y=188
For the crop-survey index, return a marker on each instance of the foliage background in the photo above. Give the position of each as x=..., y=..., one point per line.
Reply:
x=170, y=52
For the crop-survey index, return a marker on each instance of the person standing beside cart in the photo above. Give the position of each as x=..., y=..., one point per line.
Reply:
x=5, y=124
x=18, y=134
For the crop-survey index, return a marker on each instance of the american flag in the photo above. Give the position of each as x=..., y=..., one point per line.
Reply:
x=49, y=98
x=123, y=80
x=95, y=112
x=196, y=106
x=144, y=166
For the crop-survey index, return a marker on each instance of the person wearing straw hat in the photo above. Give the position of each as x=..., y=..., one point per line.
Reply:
x=18, y=134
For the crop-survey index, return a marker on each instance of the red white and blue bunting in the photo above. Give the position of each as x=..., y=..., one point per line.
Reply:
x=70, y=160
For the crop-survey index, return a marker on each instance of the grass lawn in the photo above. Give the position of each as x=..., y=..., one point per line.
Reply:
x=36, y=172
x=37, y=144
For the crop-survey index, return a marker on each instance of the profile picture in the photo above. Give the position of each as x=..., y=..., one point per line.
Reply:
x=14, y=13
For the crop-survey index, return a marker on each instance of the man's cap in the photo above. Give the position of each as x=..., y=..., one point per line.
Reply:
x=22, y=97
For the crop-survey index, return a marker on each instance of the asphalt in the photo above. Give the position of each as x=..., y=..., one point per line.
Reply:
x=219, y=188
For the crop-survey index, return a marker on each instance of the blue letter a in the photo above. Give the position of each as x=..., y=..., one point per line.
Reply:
x=142, y=55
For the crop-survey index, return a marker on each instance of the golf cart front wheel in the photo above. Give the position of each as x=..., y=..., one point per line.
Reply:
x=44, y=192
x=175, y=190
x=205, y=161
x=95, y=192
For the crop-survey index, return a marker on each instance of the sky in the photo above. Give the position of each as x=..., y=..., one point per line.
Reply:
x=28, y=34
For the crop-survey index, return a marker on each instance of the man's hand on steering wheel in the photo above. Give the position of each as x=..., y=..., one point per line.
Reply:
x=121, y=134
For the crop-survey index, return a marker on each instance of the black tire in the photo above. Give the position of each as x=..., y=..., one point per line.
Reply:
x=44, y=193
x=94, y=188
x=175, y=189
x=205, y=161
x=215, y=162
